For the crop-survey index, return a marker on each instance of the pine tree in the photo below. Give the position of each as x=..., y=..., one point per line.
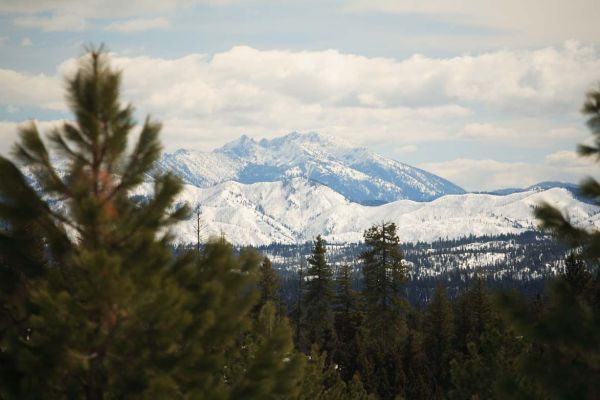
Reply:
x=348, y=320
x=576, y=273
x=383, y=273
x=486, y=350
x=318, y=299
x=98, y=306
x=418, y=381
x=473, y=314
x=268, y=369
x=438, y=337
x=321, y=379
x=489, y=369
x=385, y=332
x=356, y=390
x=268, y=284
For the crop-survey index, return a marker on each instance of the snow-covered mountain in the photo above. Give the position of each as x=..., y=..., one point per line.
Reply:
x=296, y=209
x=358, y=174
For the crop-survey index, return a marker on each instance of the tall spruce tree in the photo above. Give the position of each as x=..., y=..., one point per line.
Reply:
x=385, y=330
x=348, y=320
x=268, y=284
x=95, y=304
x=318, y=300
x=383, y=274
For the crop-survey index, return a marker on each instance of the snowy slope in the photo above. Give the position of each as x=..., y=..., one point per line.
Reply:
x=296, y=209
x=357, y=173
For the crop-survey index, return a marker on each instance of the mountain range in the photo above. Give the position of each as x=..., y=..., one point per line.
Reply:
x=296, y=210
x=357, y=173
x=294, y=187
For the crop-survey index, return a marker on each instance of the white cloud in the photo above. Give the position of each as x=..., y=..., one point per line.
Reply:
x=409, y=148
x=511, y=22
x=139, y=24
x=569, y=159
x=26, y=42
x=9, y=132
x=484, y=131
x=53, y=23
x=402, y=101
x=492, y=174
x=527, y=132
x=527, y=96
x=20, y=89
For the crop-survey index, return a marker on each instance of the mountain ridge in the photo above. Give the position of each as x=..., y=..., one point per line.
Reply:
x=357, y=173
x=296, y=210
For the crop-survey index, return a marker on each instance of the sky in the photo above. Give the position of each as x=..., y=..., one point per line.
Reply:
x=484, y=93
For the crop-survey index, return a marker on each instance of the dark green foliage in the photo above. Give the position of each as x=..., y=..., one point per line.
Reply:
x=318, y=299
x=356, y=390
x=384, y=334
x=94, y=304
x=268, y=285
x=438, y=331
x=418, y=380
x=348, y=321
x=486, y=351
x=383, y=273
x=269, y=369
x=486, y=370
x=577, y=276
x=473, y=315
x=563, y=361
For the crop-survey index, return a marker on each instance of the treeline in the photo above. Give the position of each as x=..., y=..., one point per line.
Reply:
x=94, y=303
x=469, y=347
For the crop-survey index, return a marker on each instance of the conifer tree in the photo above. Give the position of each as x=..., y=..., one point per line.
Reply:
x=486, y=350
x=320, y=380
x=318, y=299
x=418, y=381
x=268, y=284
x=564, y=361
x=357, y=391
x=576, y=274
x=489, y=369
x=438, y=337
x=473, y=314
x=96, y=304
x=348, y=320
x=383, y=339
x=383, y=273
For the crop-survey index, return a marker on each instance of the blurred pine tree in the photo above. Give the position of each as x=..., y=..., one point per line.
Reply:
x=94, y=304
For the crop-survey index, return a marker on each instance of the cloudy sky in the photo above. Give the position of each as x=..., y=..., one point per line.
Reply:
x=485, y=93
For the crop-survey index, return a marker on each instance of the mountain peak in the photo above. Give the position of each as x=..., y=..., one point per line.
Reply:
x=358, y=174
x=242, y=147
x=299, y=138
